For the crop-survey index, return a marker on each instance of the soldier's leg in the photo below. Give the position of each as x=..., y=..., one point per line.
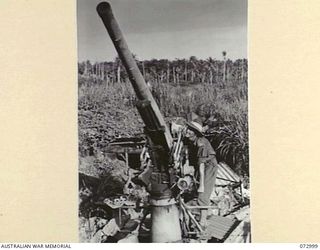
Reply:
x=204, y=198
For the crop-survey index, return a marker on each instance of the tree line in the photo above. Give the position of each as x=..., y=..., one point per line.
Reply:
x=176, y=71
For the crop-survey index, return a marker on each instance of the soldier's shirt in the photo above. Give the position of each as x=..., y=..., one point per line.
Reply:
x=201, y=151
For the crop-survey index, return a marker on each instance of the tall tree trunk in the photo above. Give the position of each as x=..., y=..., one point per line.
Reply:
x=211, y=76
x=242, y=70
x=85, y=70
x=224, y=71
x=161, y=76
x=186, y=72
x=202, y=77
x=118, y=74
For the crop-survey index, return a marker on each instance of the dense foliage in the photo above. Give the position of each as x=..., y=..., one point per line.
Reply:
x=215, y=90
x=166, y=71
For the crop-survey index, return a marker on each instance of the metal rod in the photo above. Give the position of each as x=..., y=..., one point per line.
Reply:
x=191, y=216
x=199, y=207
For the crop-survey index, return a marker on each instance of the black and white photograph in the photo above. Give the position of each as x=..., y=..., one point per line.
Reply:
x=163, y=121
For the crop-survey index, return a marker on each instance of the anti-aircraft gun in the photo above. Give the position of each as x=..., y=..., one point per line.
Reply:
x=165, y=214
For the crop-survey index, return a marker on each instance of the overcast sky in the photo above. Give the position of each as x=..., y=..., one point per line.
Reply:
x=166, y=29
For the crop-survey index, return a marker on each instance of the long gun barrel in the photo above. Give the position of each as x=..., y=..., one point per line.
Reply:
x=151, y=116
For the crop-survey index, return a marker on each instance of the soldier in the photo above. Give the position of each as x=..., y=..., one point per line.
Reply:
x=203, y=157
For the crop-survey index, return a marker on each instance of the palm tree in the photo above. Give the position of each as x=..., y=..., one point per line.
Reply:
x=212, y=69
x=185, y=70
x=117, y=65
x=168, y=71
x=102, y=71
x=193, y=63
x=88, y=68
x=162, y=68
x=224, y=54
x=81, y=68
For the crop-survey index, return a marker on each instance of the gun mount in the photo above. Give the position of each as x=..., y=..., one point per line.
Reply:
x=159, y=139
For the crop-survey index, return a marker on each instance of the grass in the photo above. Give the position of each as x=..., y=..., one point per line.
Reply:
x=108, y=111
